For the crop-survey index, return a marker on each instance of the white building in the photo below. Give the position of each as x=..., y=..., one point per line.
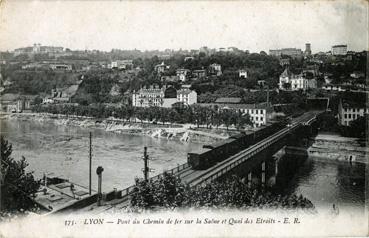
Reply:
x=121, y=64
x=186, y=96
x=259, y=113
x=182, y=74
x=215, y=69
x=162, y=97
x=349, y=111
x=290, y=81
x=339, y=50
x=242, y=73
x=66, y=67
x=161, y=68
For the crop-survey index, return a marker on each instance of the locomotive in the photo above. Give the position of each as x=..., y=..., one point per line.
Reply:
x=211, y=154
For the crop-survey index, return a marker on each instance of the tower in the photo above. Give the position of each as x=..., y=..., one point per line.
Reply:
x=307, y=49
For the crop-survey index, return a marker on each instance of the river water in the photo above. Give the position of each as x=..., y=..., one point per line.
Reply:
x=63, y=151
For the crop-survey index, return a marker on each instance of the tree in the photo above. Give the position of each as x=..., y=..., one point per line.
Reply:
x=17, y=185
x=169, y=191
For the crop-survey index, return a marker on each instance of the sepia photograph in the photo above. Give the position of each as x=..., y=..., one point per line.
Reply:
x=184, y=118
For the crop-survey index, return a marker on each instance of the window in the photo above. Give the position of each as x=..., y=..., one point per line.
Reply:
x=261, y=119
x=349, y=116
x=345, y=116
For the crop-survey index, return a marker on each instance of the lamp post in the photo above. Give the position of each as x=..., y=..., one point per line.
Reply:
x=99, y=171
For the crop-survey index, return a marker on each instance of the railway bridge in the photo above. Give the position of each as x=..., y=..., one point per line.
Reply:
x=255, y=162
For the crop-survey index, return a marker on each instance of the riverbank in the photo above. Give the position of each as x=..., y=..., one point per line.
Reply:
x=335, y=147
x=180, y=132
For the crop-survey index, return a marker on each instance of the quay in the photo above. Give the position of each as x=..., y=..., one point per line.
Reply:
x=56, y=194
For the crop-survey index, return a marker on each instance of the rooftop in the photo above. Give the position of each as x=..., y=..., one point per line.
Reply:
x=228, y=100
x=238, y=106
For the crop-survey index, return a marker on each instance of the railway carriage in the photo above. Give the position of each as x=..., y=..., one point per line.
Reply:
x=200, y=159
x=219, y=151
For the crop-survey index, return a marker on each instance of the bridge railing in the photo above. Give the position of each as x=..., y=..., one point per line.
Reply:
x=129, y=190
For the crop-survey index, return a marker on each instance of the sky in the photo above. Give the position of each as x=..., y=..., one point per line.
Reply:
x=149, y=25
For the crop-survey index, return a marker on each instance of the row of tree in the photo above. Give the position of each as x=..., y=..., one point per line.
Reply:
x=195, y=114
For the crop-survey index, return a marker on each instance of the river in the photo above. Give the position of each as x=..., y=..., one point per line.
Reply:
x=63, y=151
x=59, y=150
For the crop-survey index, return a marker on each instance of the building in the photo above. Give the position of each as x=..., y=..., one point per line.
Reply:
x=307, y=49
x=169, y=78
x=121, y=64
x=349, y=111
x=162, y=97
x=38, y=49
x=293, y=52
x=284, y=62
x=242, y=73
x=290, y=81
x=10, y=102
x=186, y=96
x=161, y=68
x=333, y=87
x=259, y=113
x=182, y=74
x=339, y=50
x=215, y=69
x=198, y=74
x=230, y=100
x=66, y=67
x=188, y=58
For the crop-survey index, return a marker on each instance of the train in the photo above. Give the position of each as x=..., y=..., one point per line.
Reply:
x=211, y=154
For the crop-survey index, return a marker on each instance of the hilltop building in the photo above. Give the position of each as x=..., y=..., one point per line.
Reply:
x=121, y=64
x=293, y=52
x=339, y=50
x=38, y=49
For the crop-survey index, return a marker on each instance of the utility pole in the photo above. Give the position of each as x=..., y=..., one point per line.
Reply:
x=90, y=164
x=146, y=165
x=2, y=176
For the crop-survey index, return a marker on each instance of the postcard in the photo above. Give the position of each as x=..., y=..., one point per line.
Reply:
x=184, y=118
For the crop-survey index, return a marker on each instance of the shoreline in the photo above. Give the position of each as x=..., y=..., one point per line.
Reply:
x=177, y=132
